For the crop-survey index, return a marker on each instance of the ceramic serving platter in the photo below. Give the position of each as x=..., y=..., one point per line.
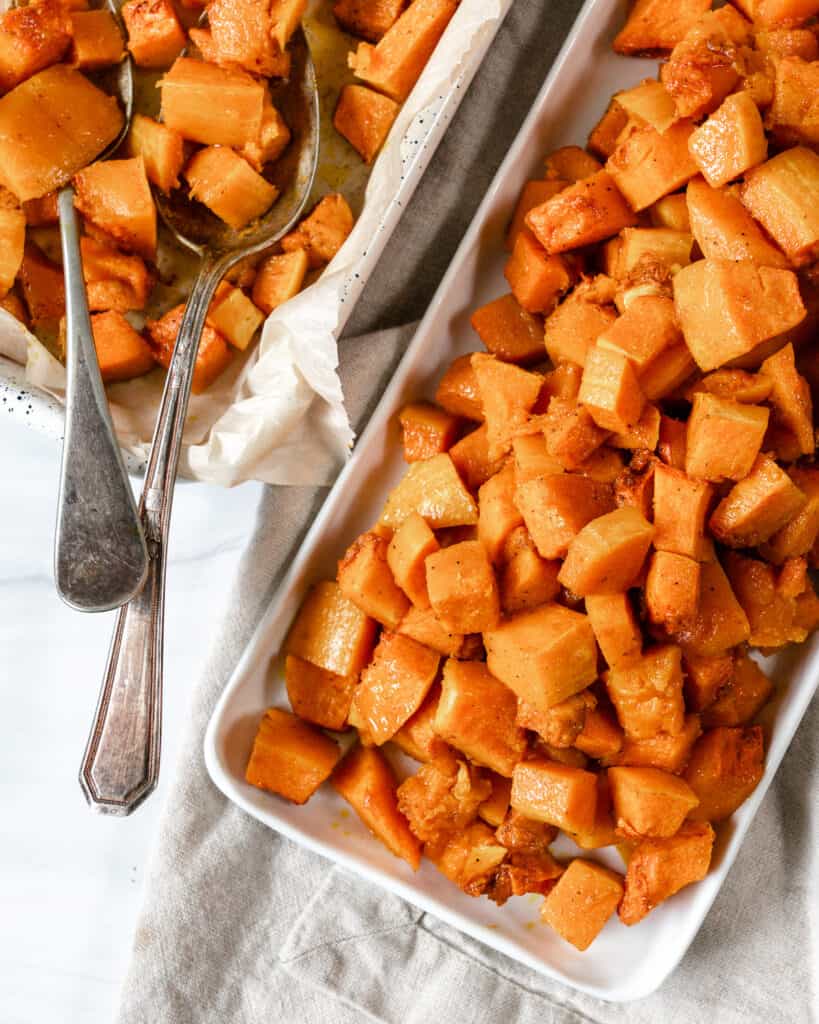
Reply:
x=623, y=963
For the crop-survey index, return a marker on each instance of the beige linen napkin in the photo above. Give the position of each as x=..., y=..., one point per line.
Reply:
x=241, y=926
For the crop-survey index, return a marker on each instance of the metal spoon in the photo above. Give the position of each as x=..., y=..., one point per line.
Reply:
x=121, y=763
x=100, y=557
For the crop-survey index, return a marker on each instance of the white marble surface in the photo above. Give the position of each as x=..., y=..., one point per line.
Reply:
x=71, y=881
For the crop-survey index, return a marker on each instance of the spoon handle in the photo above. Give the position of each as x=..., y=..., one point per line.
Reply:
x=100, y=559
x=120, y=767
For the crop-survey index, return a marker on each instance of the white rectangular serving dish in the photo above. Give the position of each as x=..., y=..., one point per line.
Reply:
x=623, y=963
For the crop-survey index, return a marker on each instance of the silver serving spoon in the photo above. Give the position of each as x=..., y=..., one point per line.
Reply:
x=121, y=763
x=100, y=557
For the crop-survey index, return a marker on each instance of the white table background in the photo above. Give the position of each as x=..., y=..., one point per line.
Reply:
x=71, y=880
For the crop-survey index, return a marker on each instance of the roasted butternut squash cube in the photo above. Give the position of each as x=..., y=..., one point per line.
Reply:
x=664, y=376
x=52, y=125
x=610, y=390
x=470, y=858
x=646, y=329
x=560, y=725
x=364, y=577
x=13, y=236
x=790, y=397
x=234, y=316
x=42, y=212
x=527, y=581
x=533, y=193
x=394, y=685
x=477, y=715
x=331, y=632
x=671, y=442
x=607, y=554
x=756, y=507
x=508, y=331
x=647, y=164
x=411, y=543
x=666, y=751
x=705, y=677
x=671, y=212
x=634, y=248
x=122, y=353
x=544, y=655
x=571, y=434
x=649, y=802
x=769, y=610
x=212, y=105
x=442, y=797
x=672, y=591
x=273, y=140
x=647, y=693
x=369, y=19
x=115, y=196
x=737, y=385
x=434, y=490
x=508, y=394
x=366, y=781
x=323, y=232
x=615, y=626
x=653, y=26
x=730, y=142
x=680, y=509
x=32, y=37
x=394, y=65
x=42, y=285
x=588, y=211
x=555, y=509
x=161, y=149
x=417, y=736
x=721, y=622
x=285, y=16
x=584, y=898
x=778, y=194
x=426, y=430
x=520, y=834
x=290, y=757
x=793, y=116
x=658, y=868
x=570, y=164
x=536, y=277
x=643, y=436
x=603, y=137
x=725, y=768
x=494, y=809
x=786, y=42
x=601, y=736
x=573, y=328
x=96, y=41
x=462, y=588
x=212, y=358
x=318, y=696
x=470, y=456
x=155, y=36
x=555, y=793
x=723, y=438
x=458, y=390
x=278, y=278
x=221, y=180
x=532, y=458
x=364, y=118
x=240, y=34
x=740, y=701
x=798, y=536
x=648, y=104
x=498, y=514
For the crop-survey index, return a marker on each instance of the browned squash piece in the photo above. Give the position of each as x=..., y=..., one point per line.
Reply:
x=669, y=753
x=114, y=195
x=671, y=442
x=532, y=458
x=649, y=802
x=615, y=626
x=96, y=41
x=331, y=632
x=434, y=490
x=462, y=588
x=725, y=768
x=234, y=316
x=575, y=325
x=561, y=724
x=602, y=832
x=585, y=897
x=396, y=63
x=122, y=353
x=366, y=781
x=369, y=19
x=42, y=284
x=571, y=164
x=114, y=280
x=658, y=868
x=643, y=436
x=770, y=612
x=155, y=36
x=557, y=507
x=534, y=193
x=285, y=17
x=645, y=330
x=648, y=165
x=364, y=577
x=672, y=590
x=522, y=835
x=721, y=622
x=671, y=212
x=544, y=655
x=779, y=12
x=42, y=212
x=221, y=180
x=323, y=232
x=394, y=684
x=600, y=736
x=212, y=105
x=426, y=430
x=705, y=677
x=790, y=397
x=727, y=308
x=278, y=278
x=508, y=394
x=290, y=757
x=724, y=229
x=508, y=331
x=13, y=238
x=212, y=359
x=663, y=376
x=736, y=385
x=51, y=125
x=364, y=117
x=494, y=809
x=571, y=434
x=756, y=507
x=417, y=736
x=798, y=536
x=273, y=139
x=610, y=390
x=406, y=555
x=603, y=137
x=745, y=695
x=680, y=509
x=793, y=117
x=730, y=142
x=319, y=696
x=778, y=194
x=536, y=277
x=653, y=26
x=469, y=858
x=647, y=693
x=653, y=252
x=458, y=390
x=588, y=211
x=648, y=104
x=607, y=554
x=498, y=515
x=32, y=37
x=555, y=793
x=723, y=438
x=527, y=581
x=161, y=149
x=442, y=797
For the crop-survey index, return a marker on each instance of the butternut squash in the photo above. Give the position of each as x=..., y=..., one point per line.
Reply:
x=121, y=352
x=115, y=196
x=725, y=768
x=364, y=118
x=290, y=757
x=278, y=278
x=462, y=588
x=585, y=897
x=323, y=231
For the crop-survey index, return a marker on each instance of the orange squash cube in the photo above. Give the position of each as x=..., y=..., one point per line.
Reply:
x=561, y=724
x=649, y=802
x=644, y=435
x=671, y=442
x=536, y=277
x=671, y=212
x=601, y=736
x=234, y=316
x=533, y=193
x=121, y=352
x=42, y=285
x=368, y=19
x=653, y=26
x=52, y=125
x=285, y=17
x=610, y=391
x=730, y=142
x=331, y=632
x=366, y=781
x=721, y=622
x=778, y=194
x=571, y=434
x=615, y=626
x=32, y=37
x=571, y=164
x=426, y=430
x=161, y=149
x=458, y=391
x=113, y=280
x=417, y=736
x=212, y=105
x=705, y=677
x=521, y=835
x=790, y=397
x=470, y=456
x=155, y=36
x=745, y=695
x=636, y=249
x=680, y=509
x=724, y=229
x=273, y=140
x=778, y=12
x=116, y=197
x=769, y=608
x=434, y=490
x=723, y=438
x=406, y=555
x=647, y=693
x=573, y=328
x=527, y=581
x=648, y=104
x=658, y=868
x=725, y=768
x=544, y=655
x=798, y=536
x=648, y=165
x=364, y=118
x=477, y=715
x=364, y=577
x=672, y=590
x=96, y=41
x=756, y=507
x=588, y=211
x=396, y=63
x=666, y=751
x=790, y=118
x=13, y=236
x=603, y=137
x=290, y=757
x=508, y=395
x=498, y=515
x=323, y=231
x=555, y=793
x=585, y=897
x=442, y=797
x=212, y=358
x=221, y=180
x=469, y=858
x=532, y=458
x=278, y=278
x=664, y=376
x=607, y=554
x=319, y=696
x=42, y=212
x=557, y=507
x=508, y=331
x=645, y=330
x=494, y=809
x=462, y=588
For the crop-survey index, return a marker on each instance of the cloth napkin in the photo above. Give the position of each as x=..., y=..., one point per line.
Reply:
x=241, y=926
